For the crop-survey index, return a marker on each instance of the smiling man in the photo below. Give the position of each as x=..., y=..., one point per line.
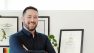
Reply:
x=28, y=40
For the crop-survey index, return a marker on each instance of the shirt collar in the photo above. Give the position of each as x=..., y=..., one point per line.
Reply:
x=26, y=31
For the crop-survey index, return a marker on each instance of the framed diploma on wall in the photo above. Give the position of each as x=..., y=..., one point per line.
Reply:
x=71, y=41
x=8, y=26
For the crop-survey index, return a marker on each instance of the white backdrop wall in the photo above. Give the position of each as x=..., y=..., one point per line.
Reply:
x=66, y=19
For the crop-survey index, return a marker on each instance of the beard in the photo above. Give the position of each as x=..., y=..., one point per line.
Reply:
x=30, y=27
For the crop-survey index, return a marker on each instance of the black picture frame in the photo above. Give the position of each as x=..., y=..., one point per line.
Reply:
x=8, y=26
x=46, y=21
x=68, y=42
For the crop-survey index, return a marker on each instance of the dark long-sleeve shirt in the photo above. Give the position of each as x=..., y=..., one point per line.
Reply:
x=23, y=41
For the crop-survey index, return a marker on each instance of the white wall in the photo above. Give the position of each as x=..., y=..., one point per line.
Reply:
x=47, y=4
x=67, y=19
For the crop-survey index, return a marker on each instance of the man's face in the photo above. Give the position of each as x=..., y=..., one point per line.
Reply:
x=30, y=19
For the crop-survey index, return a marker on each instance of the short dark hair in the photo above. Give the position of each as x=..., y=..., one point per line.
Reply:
x=29, y=7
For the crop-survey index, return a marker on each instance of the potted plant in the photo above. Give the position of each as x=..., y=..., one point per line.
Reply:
x=53, y=40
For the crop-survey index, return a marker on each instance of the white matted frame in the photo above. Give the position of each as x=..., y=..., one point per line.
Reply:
x=44, y=25
x=8, y=26
x=71, y=41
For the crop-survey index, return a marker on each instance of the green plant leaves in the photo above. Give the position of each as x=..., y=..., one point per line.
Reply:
x=52, y=40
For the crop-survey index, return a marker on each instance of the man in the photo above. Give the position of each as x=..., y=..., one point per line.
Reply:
x=28, y=40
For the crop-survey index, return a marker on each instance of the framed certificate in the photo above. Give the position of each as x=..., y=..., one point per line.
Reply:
x=71, y=41
x=8, y=26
